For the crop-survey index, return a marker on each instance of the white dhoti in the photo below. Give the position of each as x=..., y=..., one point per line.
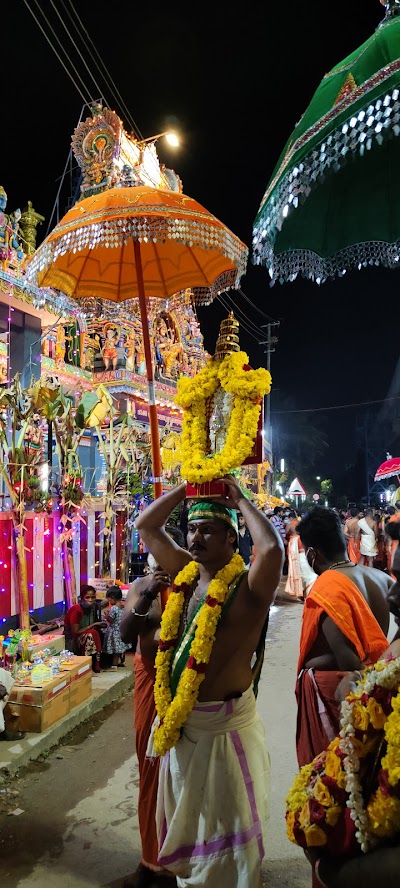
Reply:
x=7, y=680
x=368, y=545
x=213, y=797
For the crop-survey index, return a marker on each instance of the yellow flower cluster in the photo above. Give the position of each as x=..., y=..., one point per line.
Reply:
x=311, y=807
x=173, y=713
x=248, y=389
x=384, y=810
x=297, y=802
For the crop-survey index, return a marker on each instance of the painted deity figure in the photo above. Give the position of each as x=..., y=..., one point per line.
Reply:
x=221, y=409
x=3, y=224
x=10, y=247
x=130, y=346
x=140, y=361
x=194, y=328
x=13, y=228
x=109, y=351
x=60, y=345
x=162, y=344
x=92, y=345
x=34, y=438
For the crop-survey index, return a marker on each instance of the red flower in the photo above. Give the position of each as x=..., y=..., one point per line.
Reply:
x=317, y=811
x=166, y=645
x=184, y=587
x=299, y=835
x=338, y=794
x=319, y=763
x=384, y=697
x=198, y=667
x=384, y=784
x=212, y=602
x=385, y=787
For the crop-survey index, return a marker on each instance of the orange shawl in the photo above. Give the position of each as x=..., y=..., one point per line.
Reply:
x=339, y=598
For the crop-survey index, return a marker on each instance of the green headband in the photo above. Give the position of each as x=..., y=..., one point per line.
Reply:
x=203, y=509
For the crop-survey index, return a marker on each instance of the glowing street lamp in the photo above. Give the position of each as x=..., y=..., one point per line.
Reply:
x=170, y=137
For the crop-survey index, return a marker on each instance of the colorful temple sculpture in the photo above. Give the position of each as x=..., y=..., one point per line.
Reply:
x=89, y=352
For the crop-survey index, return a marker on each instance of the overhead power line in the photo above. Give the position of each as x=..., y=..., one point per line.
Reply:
x=100, y=65
x=99, y=89
x=84, y=95
x=262, y=313
x=245, y=321
x=337, y=406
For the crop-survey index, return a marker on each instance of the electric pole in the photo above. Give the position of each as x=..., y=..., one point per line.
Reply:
x=270, y=342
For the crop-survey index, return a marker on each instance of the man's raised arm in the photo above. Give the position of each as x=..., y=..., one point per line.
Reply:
x=266, y=569
x=150, y=524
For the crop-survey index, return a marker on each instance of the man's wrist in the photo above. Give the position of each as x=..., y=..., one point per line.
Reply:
x=149, y=595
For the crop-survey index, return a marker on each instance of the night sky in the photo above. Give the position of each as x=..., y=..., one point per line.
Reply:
x=234, y=84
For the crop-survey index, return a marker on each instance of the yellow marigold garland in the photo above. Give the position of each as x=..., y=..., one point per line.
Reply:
x=248, y=389
x=173, y=713
x=335, y=779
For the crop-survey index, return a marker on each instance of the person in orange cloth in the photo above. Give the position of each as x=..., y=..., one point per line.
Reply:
x=351, y=532
x=345, y=624
x=392, y=533
x=300, y=576
x=140, y=626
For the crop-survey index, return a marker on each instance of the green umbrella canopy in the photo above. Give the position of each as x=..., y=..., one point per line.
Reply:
x=333, y=201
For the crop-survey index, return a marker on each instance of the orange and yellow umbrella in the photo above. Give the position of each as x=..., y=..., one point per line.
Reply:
x=140, y=242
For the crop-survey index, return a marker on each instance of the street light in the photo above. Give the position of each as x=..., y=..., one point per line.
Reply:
x=171, y=138
x=318, y=478
x=282, y=465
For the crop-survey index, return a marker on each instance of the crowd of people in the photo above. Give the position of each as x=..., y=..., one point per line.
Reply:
x=204, y=768
x=371, y=534
x=197, y=624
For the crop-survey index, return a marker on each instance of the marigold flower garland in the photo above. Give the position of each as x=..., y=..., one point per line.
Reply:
x=248, y=389
x=368, y=747
x=173, y=713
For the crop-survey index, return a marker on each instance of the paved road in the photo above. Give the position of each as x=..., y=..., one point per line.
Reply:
x=79, y=826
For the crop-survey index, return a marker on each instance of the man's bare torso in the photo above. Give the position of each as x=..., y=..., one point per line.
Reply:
x=352, y=528
x=238, y=633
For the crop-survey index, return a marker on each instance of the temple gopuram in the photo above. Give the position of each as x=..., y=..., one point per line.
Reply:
x=89, y=347
x=43, y=332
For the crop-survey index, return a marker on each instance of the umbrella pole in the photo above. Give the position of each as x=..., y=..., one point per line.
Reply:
x=155, y=438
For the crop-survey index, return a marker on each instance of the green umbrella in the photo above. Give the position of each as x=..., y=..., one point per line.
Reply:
x=333, y=201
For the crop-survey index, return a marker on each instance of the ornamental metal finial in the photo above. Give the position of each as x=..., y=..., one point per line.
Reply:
x=392, y=8
x=228, y=339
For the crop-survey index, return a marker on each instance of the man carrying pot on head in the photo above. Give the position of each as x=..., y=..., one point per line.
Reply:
x=213, y=795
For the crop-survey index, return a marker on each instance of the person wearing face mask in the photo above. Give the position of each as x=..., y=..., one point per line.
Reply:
x=83, y=626
x=344, y=627
x=140, y=627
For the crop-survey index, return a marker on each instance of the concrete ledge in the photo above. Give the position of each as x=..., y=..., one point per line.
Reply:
x=107, y=687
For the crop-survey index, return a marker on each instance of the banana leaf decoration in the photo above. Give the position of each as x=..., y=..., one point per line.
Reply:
x=94, y=408
x=48, y=398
